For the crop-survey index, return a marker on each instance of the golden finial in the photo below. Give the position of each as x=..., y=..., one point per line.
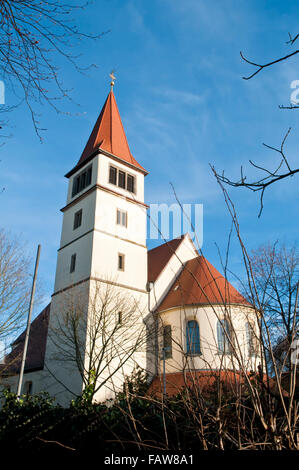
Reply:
x=111, y=75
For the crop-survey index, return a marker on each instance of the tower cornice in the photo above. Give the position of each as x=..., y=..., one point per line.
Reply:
x=103, y=188
x=100, y=151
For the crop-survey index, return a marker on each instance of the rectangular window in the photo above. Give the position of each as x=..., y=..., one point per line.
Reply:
x=73, y=263
x=88, y=176
x=112, y=175
x=78, y=219
x=122, y=179
x=224, y=336
x=121, y=262
x=121, y=217
x=119, y=318
x=251, y=339
x=28, y=388
x=76, y=185
x=81, y=181
x=131, y=183
x=167, y=341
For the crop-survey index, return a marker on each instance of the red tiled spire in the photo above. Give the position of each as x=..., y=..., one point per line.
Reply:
x=108, y=134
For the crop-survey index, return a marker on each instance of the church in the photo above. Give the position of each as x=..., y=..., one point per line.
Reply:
x=118, y=306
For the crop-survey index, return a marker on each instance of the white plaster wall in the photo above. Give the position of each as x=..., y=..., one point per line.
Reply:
x=87, y=205
x=105, y=217
x=61, y=377
x=105, y=261
x=210, y=358
x=130, y=337
x=35, y=377
x=83, y=250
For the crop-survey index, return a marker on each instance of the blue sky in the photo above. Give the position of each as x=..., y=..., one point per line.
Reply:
x=184, y=106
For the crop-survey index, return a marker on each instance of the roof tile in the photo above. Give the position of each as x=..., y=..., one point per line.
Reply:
x=108, y=134
x=158, y=257
x=36, y=346
x=200, y=283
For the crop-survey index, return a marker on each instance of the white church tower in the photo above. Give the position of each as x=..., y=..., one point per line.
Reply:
x=102, y=250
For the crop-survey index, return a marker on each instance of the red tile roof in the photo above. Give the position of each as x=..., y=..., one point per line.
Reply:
x=108, y=134
x=36, y=347
x=158, y=257
x=204, y=380
x=200, y=283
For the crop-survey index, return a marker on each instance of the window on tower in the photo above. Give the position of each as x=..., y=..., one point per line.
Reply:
x=112, y=175
x=81, y=181
x=121, y=217
x=78, y=219
x=122, y=179
x=121, y=262
x=73, y=263
x=131, y=183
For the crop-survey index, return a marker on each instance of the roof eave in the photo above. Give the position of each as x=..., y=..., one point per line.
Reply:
x=108, y=154
x=206, y=304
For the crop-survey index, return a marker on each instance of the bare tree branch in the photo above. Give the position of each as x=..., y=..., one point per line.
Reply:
x=32, y=34
x=272, y=176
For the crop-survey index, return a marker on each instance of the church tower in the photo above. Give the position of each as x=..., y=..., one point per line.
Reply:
x=103, y=239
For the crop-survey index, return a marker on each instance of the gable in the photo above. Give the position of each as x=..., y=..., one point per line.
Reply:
x=159, y=257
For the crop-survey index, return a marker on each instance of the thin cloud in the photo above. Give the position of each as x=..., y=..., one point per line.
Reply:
x=178, y=97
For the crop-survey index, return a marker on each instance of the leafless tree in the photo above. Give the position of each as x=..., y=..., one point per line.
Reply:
x=276, y=273
x=15, y=284
x=100, y=340
x=33, y=35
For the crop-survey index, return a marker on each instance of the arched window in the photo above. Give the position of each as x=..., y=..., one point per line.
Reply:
x=223, y=336
x=192, y=335
x=167, y=341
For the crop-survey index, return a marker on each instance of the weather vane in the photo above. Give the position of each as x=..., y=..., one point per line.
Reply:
x=111, y=75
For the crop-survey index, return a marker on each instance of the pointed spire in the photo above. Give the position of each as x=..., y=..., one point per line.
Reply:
x=108, y=134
